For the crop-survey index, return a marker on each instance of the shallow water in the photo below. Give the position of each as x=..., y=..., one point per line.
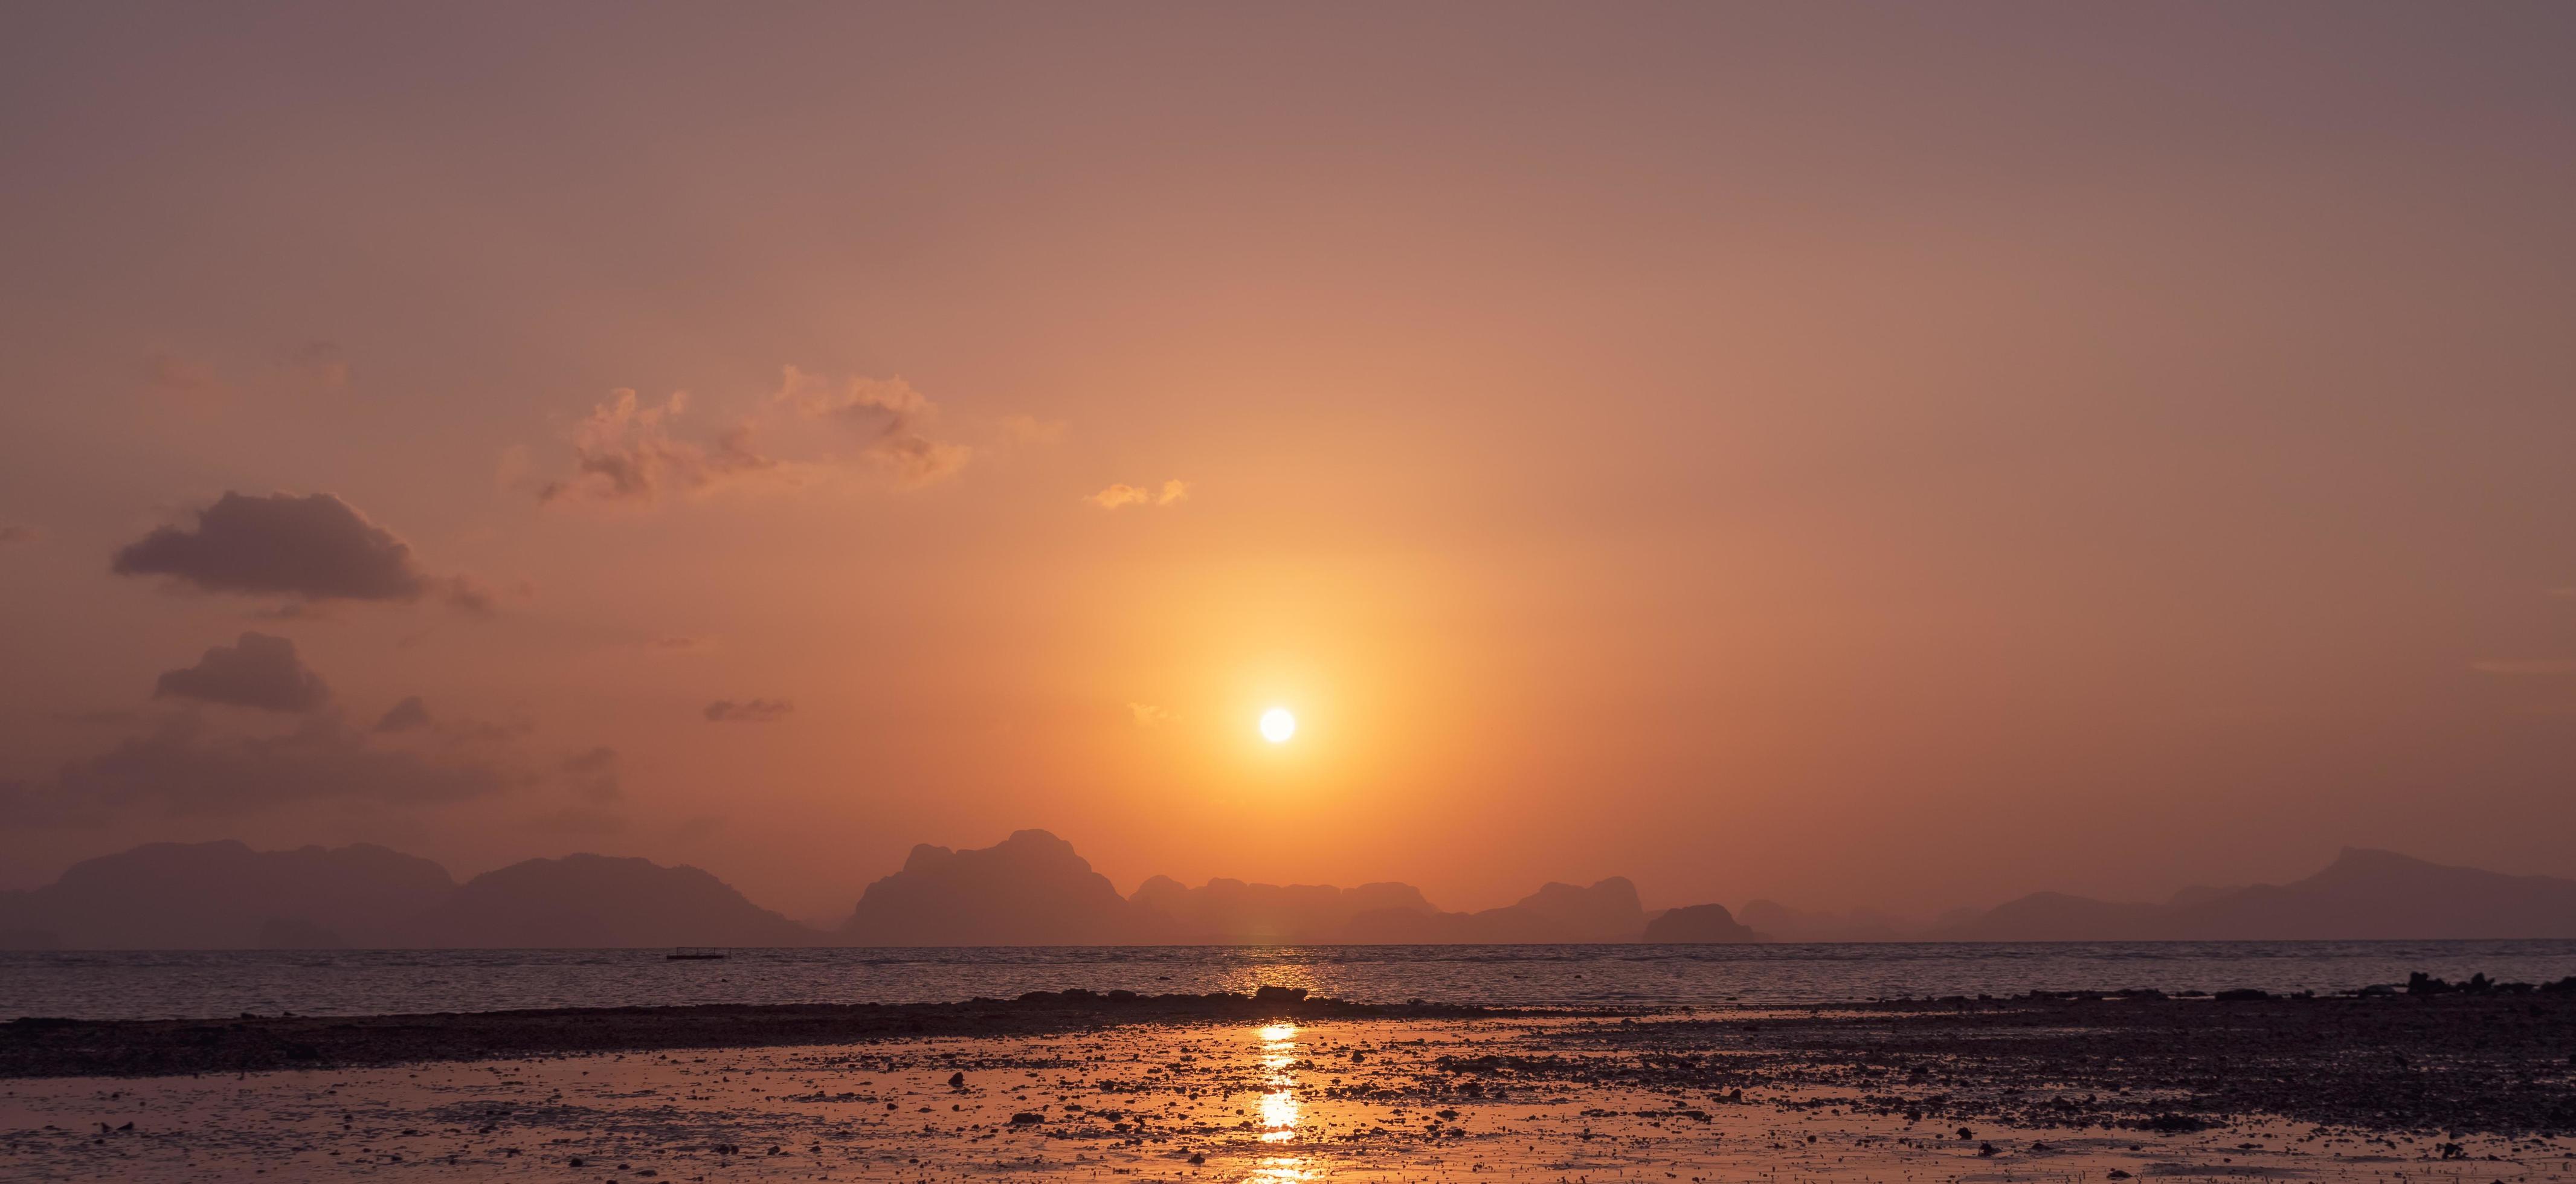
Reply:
x=218, y=983
x=1273, y=1103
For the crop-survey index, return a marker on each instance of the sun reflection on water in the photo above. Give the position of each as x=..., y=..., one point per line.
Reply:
x=1280, y=1170
x=1279, y=1102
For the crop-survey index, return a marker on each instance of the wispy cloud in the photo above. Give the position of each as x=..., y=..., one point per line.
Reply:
x=631, y=450
x=892, y=419
x=751, y=711
x=1123, y=495
x=625, y=451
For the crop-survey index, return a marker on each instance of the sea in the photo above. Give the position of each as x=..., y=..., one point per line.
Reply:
x=220, y=984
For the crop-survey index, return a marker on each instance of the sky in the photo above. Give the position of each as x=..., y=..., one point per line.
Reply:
x=1898, y=456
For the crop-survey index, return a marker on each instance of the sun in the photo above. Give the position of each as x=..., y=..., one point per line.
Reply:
x=1277, y=725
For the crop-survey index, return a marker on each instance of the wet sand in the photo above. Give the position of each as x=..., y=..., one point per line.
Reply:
x=1960, y=1093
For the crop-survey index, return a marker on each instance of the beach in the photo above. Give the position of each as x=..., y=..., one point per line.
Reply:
x=1073, y=1086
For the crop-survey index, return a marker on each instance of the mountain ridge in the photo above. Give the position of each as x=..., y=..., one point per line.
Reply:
x=1034, y=888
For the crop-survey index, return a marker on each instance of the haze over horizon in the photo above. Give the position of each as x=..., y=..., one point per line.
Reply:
x=1862, y=457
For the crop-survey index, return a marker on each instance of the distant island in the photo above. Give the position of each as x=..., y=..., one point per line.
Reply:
x=1033, y=888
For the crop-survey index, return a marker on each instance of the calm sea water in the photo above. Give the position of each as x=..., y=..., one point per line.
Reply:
x=202, y=984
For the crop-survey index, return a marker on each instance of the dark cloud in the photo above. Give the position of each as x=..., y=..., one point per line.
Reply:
x=315, y=546
x=404, y=716
x=756, y=711
x=187, y=773
x=257, y=671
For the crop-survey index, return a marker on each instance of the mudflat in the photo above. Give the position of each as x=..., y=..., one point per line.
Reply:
x=2465, y=1088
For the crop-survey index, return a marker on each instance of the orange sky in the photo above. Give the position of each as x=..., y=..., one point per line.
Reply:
x=1853, y=455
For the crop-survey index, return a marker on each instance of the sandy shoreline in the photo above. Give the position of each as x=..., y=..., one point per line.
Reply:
x=2430, y=1090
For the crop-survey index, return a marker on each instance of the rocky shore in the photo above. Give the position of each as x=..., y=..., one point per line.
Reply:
x=41, y=1047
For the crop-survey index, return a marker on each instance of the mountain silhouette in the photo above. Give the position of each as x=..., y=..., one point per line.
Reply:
x=1029, y=889
x=600, y=901
x=1779, y=922
x=1698, y=924
x=2363, y=895
x=223, y=895
x=1232, y=912
x=1605, y=912
x=1035, y=889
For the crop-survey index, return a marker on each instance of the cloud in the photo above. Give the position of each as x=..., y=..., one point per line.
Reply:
x=1148, y=715
x=756, y=711
x=1122, y=495
x=2525, y=666
x=2563, y=592
x=893, y=418
x=314, y=546
x=629, y=450
x=186, y=773
x=20, y=534
x=405, y=716
x=257, y=671
x=625, y=451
